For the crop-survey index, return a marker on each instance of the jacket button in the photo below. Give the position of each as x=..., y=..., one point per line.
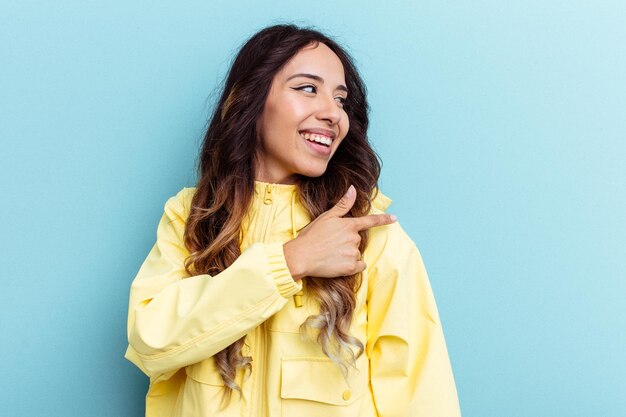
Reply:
x=346, y=395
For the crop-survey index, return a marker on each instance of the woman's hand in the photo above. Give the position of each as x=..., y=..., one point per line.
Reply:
x=329, y=246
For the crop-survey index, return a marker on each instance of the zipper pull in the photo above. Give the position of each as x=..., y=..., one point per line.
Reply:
x=297, y=298
x=268, y=194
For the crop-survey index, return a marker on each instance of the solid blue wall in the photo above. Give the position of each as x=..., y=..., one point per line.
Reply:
x=501, y=127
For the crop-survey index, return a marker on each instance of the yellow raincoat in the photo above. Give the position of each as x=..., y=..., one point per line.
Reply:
x=177, y=323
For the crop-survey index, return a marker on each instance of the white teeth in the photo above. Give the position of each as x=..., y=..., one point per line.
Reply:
x=317, y=138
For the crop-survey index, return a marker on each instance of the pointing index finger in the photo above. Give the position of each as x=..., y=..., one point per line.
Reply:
x=373, y=220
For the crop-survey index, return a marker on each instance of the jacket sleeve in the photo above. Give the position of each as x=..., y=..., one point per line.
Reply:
x=175, y=320
x=410, y=370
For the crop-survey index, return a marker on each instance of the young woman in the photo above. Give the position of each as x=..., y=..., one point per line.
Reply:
x=278, y=286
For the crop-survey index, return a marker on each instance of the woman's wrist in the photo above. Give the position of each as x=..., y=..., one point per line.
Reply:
x=294, y=263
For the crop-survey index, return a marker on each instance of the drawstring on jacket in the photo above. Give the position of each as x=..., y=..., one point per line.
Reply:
x=297, y=297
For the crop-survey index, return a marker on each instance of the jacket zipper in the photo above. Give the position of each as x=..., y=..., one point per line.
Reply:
x=269, y=189
x=263, y=344
x=268, y=208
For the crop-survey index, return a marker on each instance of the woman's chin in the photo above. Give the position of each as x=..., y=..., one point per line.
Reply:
x=313, y=172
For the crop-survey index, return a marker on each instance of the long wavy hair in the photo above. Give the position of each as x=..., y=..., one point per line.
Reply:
x=226, y=186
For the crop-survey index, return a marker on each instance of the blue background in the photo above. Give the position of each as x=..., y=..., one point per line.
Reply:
x=501, y=126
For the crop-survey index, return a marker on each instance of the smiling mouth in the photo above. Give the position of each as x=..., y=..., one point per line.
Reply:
x=312, y=137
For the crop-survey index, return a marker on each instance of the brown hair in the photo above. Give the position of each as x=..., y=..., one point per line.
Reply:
x=226, y=185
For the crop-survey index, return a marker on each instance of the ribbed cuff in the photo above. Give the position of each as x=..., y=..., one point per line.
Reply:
x=279, y=271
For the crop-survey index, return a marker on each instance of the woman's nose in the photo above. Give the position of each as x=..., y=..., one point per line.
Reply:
x=330, y=110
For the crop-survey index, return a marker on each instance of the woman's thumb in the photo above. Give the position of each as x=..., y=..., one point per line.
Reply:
x=346, y=202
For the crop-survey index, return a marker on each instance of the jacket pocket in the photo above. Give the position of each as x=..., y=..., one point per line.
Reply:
x=314, y=386
x=205, y=372
x=203, y=392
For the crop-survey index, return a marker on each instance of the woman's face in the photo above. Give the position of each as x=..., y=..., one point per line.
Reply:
x=303, y=121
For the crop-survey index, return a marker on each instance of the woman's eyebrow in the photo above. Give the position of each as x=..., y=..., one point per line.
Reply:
x=316, y=78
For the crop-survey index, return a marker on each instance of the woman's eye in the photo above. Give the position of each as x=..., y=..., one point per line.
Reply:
x=307, y=88
x=342, y=100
